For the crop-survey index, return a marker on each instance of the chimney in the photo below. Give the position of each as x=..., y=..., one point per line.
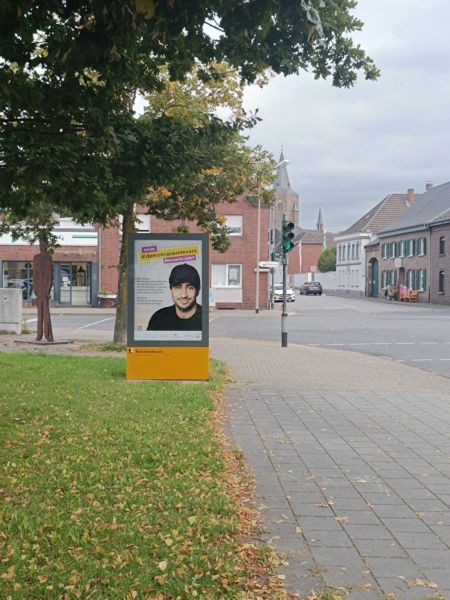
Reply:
x=428, y=186
x=410, y=196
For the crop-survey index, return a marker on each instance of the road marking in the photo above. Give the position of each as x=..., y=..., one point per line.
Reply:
x=421, y=359
x=428, y=343
x=30, y=320
x=334, y=344
x=381, y=343
x=96, y=323
x=444, y=359
x=405, y=343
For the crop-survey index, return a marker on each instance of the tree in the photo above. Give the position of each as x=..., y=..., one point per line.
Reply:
x=327, y=260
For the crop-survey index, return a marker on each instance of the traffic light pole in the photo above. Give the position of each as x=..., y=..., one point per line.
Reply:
x=284, y=314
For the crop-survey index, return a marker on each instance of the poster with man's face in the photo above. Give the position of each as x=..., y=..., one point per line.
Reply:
x=166, y=292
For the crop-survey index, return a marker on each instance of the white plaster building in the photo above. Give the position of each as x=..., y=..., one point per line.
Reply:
x=350, y=244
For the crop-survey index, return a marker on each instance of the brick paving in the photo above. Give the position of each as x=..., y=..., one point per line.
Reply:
x=351, y=455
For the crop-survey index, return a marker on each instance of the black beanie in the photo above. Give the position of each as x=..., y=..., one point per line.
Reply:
x=184, y=274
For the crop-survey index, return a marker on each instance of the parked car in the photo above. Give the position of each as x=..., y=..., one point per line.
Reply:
x=278, y=293
x=311, y=287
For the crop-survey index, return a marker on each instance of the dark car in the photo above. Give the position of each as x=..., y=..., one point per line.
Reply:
x=311, y=287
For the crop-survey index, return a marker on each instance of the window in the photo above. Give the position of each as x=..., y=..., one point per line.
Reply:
x=422, y=246
x=423, y=279
x=233, y=224
x=353, y=251
x=19, y=275
x=411, y=248
x=357, y=249
x=405, y=247
x=143, y=222
x=383, y=250
x=226, y=275
x=348, y=251
x=401, y=249
x=441, y=289
x=442, y=246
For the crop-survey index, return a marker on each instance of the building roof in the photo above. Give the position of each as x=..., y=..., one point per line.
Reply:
x=430, y=207
x=382, y=215
x=313, y=236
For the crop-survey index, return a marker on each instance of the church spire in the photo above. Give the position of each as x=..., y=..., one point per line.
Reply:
x=282, y=179
x=319, y=225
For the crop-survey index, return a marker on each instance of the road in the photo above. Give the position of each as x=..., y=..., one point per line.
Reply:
x=413, y=334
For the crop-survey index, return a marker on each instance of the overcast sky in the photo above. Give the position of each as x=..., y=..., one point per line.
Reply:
x=348, y=149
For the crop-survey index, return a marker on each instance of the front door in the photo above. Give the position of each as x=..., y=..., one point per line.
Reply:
x=374, y=278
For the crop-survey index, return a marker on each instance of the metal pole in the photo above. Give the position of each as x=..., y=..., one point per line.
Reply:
x=258, y=244
x=284, y=333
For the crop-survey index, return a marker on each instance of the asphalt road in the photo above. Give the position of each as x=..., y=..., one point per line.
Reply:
x=413, y=334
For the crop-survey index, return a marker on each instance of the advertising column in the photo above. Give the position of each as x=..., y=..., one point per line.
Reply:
x=168, y=292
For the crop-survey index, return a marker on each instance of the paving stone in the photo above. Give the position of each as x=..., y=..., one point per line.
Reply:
x=319, y=524
x=337, y=557
x=367, y=532
x=380, y=548
x=393, y=510
x=329, y=539
x=359, y=517
x=423, y=540
x=431, y=558
x=439, y=576
x=414, y=525
x=393, y=567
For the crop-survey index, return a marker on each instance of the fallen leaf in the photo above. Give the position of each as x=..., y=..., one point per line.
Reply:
x=162, y=566
x=342, y=519
x=422, y=583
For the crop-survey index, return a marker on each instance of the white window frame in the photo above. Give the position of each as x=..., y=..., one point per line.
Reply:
x=235, y=223
x=228, y=267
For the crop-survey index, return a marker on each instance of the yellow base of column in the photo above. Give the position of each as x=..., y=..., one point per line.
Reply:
x=172, y=362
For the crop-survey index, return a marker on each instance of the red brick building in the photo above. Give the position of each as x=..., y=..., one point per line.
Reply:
x=87, y=260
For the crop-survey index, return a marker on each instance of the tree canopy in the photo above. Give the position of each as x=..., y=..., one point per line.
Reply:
x=327, y=260
x=69, y=71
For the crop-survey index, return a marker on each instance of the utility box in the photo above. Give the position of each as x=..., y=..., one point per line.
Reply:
x=11, y=310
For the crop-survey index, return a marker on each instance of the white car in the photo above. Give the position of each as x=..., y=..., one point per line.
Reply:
x=278, y=293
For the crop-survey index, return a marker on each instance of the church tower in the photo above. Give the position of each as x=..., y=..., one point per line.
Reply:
x=286, y=200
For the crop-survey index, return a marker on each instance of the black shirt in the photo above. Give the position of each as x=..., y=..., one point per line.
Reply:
x=166, y=319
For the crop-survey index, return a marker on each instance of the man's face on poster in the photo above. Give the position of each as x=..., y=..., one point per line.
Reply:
x=184, y=296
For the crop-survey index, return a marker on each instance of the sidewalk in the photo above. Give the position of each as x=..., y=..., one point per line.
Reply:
x=351, y=455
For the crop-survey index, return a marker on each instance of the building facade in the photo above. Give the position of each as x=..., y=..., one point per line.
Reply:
x=413, y=250
x=351, y=272
x=87, y=259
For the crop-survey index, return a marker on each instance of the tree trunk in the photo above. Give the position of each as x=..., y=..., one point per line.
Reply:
x=120, y=327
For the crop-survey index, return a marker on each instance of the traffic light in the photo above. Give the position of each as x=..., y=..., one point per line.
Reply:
x=288, y=236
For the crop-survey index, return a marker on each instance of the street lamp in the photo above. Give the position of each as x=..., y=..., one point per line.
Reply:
x=258, y=249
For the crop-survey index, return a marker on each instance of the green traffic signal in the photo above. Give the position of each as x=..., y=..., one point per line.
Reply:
x=287, y=235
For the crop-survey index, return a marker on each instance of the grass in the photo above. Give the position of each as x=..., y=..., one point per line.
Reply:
x=111, y=489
